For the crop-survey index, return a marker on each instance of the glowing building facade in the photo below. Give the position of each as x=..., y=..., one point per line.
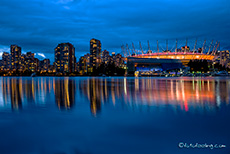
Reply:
x=28, y=62
x=45, y=65
x=95, y=53
x=105, y=57
x=15, y=52
x=224, y=58
x=5, y=61
x=65, y=58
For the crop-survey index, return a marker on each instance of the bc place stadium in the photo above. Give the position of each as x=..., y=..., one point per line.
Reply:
x=149, y=61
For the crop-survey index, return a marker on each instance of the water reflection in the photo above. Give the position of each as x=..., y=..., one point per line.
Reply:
x=184, y=94
x=64, y=93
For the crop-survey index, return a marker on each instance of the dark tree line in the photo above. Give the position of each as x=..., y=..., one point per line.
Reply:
x=198, y=65
x=219, y=67
x=204, y=66
x=109, y=69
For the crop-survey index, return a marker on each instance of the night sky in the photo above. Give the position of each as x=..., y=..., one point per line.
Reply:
x=39, y=25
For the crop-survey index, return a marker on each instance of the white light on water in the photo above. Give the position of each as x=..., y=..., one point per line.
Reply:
x=125, y=90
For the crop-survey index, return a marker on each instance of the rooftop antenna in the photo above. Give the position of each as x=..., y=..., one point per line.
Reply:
x=141, y=48
x=186, y=41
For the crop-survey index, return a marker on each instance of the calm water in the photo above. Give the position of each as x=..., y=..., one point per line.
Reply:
x=82, y=115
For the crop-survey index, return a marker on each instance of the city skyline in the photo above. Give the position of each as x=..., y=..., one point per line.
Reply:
x=33, y=26
x=65, y=63
x=114, y=76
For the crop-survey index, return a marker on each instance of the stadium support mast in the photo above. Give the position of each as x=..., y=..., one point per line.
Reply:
x=194, y=47
x=203, y=46
x=186, y=45
x=214, y=48
x=123, y=51
x=157, y=47
x=210, y=47
x=127, y=47
x=134, y=49
x=176, y=47
x=217, y=48
x=167, y=45
x=149, y=51
x=141, y=48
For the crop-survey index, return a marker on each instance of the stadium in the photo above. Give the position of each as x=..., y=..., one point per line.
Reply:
x=140, y=60
x=184, y=53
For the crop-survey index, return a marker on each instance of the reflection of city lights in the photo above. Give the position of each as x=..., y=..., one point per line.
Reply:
x=67, y=91
x=186, y=105
x=136, y=89
x=88, y=89
x=138, y=93
x=125, y=90
x=106, y=94
x=113, y=91
x=183, y=94
x=193, y=84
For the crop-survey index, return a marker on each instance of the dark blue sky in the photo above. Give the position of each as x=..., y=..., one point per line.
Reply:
x=39, y=25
